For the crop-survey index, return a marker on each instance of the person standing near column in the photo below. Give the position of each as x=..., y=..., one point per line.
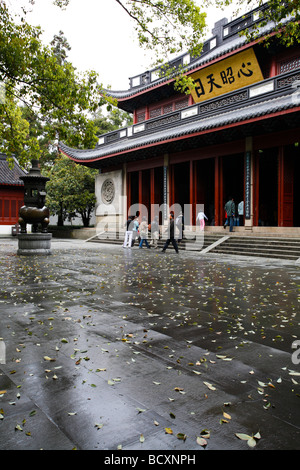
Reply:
x=230, y=209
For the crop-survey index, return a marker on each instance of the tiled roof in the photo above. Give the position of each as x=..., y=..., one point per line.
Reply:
x=10, y=176
x=263, y=108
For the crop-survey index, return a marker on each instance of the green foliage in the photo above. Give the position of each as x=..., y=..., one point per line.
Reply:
x=40, y=78
x=61, y=100
x=168, y=26
x=71, y=190
x=115, y=119
x=288, y=33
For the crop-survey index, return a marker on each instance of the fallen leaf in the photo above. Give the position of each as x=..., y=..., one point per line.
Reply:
x=205, y=434
x=210, y=386
x=243, y=437
x=168, y=431
x=201, y=441
x=251, y=440
x=47, y=358
x=98, y=426
x=140, y=410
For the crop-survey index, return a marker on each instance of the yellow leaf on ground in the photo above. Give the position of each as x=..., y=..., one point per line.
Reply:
x=168, y=431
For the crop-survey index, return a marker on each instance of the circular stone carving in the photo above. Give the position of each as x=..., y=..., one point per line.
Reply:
x=108, y=191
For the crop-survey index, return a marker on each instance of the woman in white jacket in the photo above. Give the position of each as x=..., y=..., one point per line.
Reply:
x=144, y=233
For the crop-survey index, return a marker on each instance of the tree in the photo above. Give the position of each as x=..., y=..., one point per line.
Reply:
x=115, y=119
x=71, y=190
x=60, y=46
x=14, y=132
x=40, y=78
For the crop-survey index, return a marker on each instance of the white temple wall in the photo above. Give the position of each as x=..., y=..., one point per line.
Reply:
x=109, y=190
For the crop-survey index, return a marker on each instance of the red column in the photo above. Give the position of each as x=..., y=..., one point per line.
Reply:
x=152, y=193
x=147, y=114
x=140, y=192
x=285, y=189
x=171, y=187
x=219, y=203
x=255, y=189
x=134, y=117
x=192, y=194
x=273, y=68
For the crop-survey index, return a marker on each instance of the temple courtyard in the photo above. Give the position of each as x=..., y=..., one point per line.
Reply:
x=106, y=348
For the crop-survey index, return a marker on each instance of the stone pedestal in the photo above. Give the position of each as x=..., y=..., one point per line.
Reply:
x=31, y=244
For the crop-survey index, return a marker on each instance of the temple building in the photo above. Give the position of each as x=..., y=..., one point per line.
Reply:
x=11, y=195
x=236, y=135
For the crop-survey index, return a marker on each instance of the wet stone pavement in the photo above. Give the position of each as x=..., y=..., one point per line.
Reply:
x=109, y=348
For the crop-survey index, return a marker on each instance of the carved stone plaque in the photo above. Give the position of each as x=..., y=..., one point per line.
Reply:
x=108, y=191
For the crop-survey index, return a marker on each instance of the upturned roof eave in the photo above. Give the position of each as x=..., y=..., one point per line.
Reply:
x=260, y=111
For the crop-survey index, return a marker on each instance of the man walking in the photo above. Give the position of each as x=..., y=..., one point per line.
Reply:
x=171, y=238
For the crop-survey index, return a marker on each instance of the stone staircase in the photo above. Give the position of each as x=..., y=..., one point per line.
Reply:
x=217, y=243
x=267, y=247
x=190, y=243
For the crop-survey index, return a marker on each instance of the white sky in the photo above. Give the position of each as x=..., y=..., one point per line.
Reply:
x=101, y=36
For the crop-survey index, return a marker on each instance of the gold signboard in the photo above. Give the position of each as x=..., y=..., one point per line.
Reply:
x=227, y=75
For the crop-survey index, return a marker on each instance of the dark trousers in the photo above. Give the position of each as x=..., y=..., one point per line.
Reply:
x=174, y=243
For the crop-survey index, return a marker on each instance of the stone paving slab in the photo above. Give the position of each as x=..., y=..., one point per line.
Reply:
x=111, y=348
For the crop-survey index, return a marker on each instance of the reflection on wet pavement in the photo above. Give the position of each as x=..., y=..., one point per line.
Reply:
x=105, y=344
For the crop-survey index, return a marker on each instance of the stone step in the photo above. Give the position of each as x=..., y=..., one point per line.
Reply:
x=273, y=241
x=254, y=249
x=264, y=246
x=258, y=254
x=281, y=248
x=116, y=239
